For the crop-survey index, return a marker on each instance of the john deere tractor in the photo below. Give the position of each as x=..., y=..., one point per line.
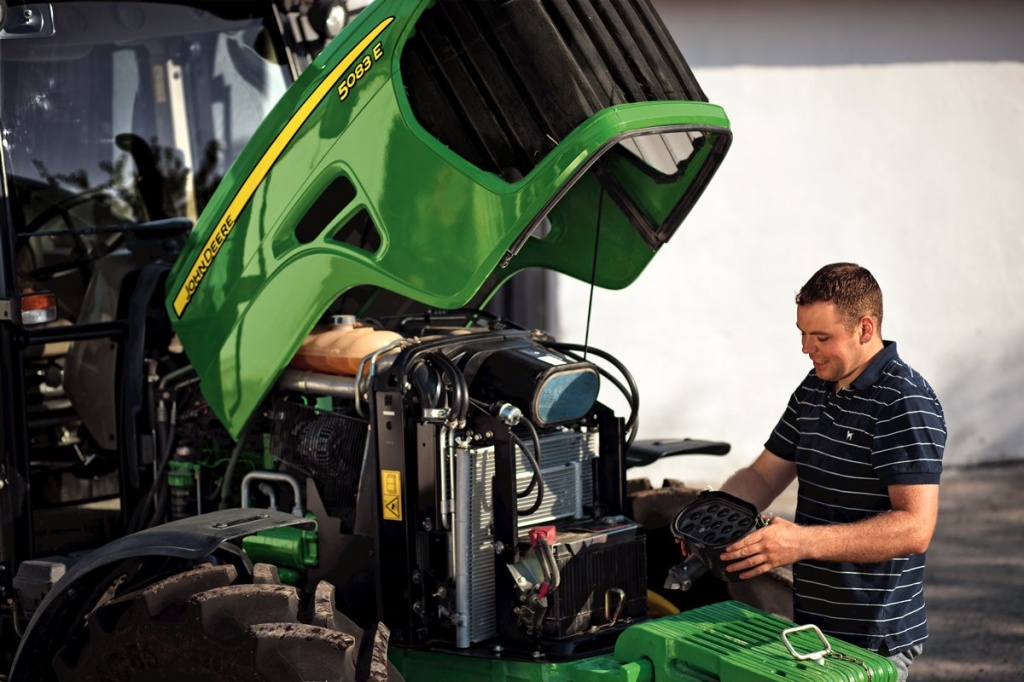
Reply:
x=203, y=476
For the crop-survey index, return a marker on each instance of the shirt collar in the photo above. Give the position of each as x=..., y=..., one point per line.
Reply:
x=873, y=372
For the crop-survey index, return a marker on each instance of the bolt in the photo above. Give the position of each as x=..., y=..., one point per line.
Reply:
x=428, y=524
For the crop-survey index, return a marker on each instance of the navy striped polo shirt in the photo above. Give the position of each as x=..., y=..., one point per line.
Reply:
x=886, y=428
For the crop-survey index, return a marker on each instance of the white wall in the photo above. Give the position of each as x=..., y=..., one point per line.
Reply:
x=885, y=133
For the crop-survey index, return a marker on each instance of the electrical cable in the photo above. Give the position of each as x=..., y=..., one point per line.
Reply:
x=549, y=565
x=236, y=453
x=536, y=472
x=165, y=432
x=537, y=479
x=536, y=476
x=159, y=502
x=400, y=368
x=460, y=389
x=632, y=396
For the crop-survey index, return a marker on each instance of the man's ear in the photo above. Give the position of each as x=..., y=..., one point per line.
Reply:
x=867, y=328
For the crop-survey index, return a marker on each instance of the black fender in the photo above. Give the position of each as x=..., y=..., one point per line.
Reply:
x=187, y=541
x=644, y=452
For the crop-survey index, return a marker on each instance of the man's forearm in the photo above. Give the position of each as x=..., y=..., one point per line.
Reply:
x=905, y=530
x=747, y=484
x=878, y=538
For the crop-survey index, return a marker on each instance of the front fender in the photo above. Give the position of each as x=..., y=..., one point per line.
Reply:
x=190, y=539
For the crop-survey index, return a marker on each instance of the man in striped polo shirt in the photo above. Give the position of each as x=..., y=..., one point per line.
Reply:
x=864, y=436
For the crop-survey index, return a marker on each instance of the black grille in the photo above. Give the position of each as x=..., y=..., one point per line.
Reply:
x=326, y=446
x=501, y=82
x=591, y=577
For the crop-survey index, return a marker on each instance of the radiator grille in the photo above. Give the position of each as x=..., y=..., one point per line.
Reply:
x=589, y=578
x=567, y=471
x=326, y=446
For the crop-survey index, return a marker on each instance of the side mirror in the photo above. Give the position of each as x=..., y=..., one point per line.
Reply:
x=32, y=20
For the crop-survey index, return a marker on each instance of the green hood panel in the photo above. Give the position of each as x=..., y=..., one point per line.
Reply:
x=342, y=186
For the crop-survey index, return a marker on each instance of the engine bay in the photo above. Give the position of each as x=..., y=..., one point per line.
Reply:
x=491, y=478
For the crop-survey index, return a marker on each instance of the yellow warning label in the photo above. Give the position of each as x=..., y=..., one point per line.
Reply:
x=391, y=494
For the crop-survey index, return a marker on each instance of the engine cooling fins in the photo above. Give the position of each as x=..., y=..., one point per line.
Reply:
x=203, y=624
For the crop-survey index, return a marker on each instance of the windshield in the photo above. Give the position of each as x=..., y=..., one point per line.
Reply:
x=118, y=113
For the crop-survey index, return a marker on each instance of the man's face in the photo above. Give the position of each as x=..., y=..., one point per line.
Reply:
x=837, y=353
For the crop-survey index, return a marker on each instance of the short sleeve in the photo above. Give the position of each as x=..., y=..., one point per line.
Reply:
x=910, y=437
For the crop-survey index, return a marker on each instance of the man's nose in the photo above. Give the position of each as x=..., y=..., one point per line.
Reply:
x=806, y=345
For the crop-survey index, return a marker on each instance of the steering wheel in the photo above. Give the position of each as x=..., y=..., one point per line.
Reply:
x=85, y=253
x=62, y=208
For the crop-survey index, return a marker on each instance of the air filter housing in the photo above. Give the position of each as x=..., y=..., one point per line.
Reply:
x=547, y=386
x=711, y=523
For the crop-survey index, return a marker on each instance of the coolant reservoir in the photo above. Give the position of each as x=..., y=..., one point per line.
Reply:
x=339, y=347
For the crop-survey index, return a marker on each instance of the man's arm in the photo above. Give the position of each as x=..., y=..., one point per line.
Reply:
x=907, y=529
x=763, y=481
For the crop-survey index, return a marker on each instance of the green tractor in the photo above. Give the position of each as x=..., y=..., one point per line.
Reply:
x=264, y=417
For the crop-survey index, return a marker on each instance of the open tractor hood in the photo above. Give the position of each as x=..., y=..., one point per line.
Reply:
x=433, y=150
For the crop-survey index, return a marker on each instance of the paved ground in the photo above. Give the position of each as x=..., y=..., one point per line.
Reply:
x=975, y=578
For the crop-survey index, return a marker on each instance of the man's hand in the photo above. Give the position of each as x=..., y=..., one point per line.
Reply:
x=777, y=544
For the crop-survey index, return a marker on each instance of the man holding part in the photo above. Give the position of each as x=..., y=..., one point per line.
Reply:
x=864, y=435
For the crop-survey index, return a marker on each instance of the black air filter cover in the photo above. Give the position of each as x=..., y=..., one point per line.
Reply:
x=547, y=386
x=712, y=522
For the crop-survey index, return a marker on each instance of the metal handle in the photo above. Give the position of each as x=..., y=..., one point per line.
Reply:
x=819, y=655
x=612, y=616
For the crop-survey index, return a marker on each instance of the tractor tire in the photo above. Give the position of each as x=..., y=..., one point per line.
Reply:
x=203, y=625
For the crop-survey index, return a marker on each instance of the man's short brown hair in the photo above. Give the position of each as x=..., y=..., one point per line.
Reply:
x=850, y=287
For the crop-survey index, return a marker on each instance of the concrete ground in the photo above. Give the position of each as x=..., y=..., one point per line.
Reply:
x=974, y=585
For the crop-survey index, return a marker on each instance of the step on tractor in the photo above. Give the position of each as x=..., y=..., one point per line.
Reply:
x=264, y=413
